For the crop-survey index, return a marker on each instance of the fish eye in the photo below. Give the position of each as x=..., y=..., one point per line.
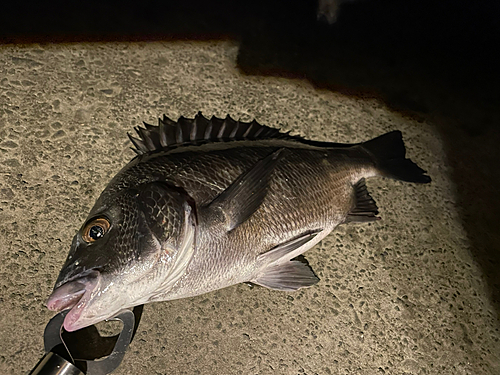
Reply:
x=95, y=229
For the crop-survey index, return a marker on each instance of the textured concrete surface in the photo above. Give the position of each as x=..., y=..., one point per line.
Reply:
x=400, y=296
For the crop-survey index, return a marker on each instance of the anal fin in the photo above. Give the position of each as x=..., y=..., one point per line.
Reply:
x=289, y=276
x=365, y=209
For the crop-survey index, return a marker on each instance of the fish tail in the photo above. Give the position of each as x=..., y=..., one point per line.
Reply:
x=388, y=152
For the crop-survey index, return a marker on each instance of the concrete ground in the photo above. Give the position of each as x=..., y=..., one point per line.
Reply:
x=400, y=296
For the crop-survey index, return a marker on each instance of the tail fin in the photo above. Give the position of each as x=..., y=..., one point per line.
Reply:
x=388, y=152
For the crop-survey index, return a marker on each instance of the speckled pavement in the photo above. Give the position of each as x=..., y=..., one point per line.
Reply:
x=399, y=296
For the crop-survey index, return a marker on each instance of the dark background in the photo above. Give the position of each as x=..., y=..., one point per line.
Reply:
x=434, y=60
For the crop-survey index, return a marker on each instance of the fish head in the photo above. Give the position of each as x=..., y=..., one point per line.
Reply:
x=132, y=248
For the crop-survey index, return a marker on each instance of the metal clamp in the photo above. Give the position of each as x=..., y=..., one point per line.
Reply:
x=85, y=352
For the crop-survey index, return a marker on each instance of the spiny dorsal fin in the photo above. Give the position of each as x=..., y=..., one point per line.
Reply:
x=186, y=132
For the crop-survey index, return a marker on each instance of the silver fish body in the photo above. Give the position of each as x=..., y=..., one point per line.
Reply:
x=211, y=203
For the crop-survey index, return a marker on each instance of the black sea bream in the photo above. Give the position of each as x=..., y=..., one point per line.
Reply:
x=211, y=203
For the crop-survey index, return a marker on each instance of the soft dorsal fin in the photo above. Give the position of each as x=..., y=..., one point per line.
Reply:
x=365, y=209
x=186, y=132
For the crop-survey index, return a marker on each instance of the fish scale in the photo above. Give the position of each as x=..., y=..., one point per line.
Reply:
x=307, y=199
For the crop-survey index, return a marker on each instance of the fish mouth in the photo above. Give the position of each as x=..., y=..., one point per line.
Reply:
x=75, y=295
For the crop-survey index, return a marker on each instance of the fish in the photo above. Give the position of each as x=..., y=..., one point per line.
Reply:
x=210, y=203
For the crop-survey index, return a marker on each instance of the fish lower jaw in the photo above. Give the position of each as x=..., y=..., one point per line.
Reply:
x=75, y=303
x=72, y=320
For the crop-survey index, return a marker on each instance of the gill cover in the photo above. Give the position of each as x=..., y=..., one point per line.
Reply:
x=170, y=215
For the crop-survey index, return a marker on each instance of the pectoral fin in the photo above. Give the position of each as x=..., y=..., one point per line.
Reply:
x=244, y=196
x=288, y=250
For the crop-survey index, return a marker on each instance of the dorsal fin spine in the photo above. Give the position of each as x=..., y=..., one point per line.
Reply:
x=147, y=139
x=208, y=131
x=235, y=130
x=140, y=148
x=248, y=130
x=178, y=134
x=221, y=130
x=163, y=134
x=194, y=129
x=258, y=132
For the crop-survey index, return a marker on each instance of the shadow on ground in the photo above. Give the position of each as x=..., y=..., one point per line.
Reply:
x=424, y=59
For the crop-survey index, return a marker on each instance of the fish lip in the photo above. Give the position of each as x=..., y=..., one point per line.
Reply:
x=74, y=294
x=79, y=275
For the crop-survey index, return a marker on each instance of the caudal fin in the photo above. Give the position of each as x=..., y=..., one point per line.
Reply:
x=389, y=152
